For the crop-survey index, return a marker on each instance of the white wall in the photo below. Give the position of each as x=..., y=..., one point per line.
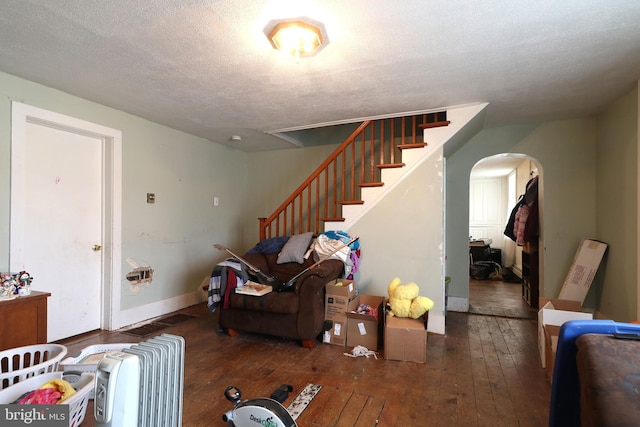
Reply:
x=403, y=237
x=488, y=209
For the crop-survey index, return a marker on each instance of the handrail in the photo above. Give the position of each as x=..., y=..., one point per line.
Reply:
x=353, y=164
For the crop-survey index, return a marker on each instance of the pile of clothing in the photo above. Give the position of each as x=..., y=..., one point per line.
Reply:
x=53, y=392
x=329, y=241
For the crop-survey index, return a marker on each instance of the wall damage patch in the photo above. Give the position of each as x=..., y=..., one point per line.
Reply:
x=139, y=276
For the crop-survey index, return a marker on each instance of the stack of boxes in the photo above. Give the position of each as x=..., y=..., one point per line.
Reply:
x=349, y=328
x=404, y=339
x=340, y=298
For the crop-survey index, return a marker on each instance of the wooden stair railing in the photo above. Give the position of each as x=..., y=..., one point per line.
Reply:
x=355, y=164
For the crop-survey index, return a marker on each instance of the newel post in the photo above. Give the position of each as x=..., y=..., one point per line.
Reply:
x=263, y=228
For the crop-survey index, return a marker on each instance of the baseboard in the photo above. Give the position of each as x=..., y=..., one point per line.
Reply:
x=517, y=271
x=436, y=324
x=459, y=304
x=150, y=311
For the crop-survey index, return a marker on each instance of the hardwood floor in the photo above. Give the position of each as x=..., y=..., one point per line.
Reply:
x=484, y=372
x=497, y=298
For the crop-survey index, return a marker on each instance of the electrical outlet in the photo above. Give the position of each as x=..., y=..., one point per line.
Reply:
x=151, y=197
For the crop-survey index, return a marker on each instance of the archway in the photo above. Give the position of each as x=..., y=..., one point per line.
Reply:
x=504, y=275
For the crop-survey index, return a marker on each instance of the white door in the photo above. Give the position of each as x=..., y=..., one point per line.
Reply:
x=62, y=223
x=66, y=196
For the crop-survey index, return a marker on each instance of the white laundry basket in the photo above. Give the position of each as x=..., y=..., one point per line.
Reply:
x=83, y=384
x=18, y=364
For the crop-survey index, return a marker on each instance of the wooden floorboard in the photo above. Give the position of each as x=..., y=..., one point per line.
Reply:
x=484, y=372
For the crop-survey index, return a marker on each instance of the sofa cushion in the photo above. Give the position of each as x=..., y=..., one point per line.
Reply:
x=274, y=302
x=295, y=248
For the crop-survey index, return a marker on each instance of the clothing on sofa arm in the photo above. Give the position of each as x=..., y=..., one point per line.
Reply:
x=225, y=277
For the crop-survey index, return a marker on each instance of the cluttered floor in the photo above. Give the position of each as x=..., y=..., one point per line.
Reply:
x=484, y=372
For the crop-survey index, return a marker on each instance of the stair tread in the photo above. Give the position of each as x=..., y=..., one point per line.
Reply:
x=332, y=219
x=434, y=124
x=371, y=184
x=390, y=165
x=351, y=202
x=408, y=146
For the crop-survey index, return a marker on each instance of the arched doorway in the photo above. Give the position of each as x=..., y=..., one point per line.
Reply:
x=504, y=272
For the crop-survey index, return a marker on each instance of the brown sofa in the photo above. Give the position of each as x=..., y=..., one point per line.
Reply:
x=297, y=313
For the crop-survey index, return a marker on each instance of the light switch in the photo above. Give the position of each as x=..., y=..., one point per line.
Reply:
x=151, y=197
x=216, y=201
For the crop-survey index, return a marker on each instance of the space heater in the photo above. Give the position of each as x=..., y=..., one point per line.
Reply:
x=142, y=385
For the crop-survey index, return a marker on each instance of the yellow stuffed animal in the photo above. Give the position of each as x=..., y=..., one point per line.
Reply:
x=405, y=300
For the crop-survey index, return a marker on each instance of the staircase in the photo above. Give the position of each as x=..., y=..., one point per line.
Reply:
x=366, y=165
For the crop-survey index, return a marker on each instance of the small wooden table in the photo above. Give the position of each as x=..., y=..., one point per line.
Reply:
x=24, y=320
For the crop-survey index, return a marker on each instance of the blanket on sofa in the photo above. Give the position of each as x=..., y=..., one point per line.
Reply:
x=225, y=277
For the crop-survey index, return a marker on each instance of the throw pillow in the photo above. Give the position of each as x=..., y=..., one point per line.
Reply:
x=295, y=248
x=269, y=246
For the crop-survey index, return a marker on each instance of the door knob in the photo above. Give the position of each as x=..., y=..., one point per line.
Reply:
x=96, y=248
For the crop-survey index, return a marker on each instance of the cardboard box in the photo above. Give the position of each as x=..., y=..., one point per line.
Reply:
x=582, y=271
x=366, y=329
x=338, y=298
x=405, y=339
x=551, y=334
x=337, y=335
x=555, y=312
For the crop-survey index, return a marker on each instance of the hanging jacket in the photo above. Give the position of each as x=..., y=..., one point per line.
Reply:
x=509, y=230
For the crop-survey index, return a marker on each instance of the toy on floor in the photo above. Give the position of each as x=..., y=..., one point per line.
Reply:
x=405, y=300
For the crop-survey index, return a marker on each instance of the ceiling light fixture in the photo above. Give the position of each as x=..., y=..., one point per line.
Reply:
x=297, y=37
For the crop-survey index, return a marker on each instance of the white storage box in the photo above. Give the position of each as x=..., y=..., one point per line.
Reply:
x=83, y=384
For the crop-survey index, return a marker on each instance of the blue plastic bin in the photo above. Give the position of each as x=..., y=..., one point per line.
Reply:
x=565, y=389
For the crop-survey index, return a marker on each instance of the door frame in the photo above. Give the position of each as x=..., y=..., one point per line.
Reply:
x=21, y=114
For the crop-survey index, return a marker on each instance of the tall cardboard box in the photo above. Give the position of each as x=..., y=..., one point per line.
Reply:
x=582, y=271
x=338, y=300
x=405, y=339
x=366, y=329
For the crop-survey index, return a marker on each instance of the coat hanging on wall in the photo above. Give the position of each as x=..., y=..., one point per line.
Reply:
x=522, y=226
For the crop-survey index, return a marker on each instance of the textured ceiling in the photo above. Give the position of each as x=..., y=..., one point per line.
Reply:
x=206, y=67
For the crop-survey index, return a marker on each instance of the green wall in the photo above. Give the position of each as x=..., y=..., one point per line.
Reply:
x=589, y=177
x=617, y=208
x=565, y=152
x=272, y=177
x=175, y=234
